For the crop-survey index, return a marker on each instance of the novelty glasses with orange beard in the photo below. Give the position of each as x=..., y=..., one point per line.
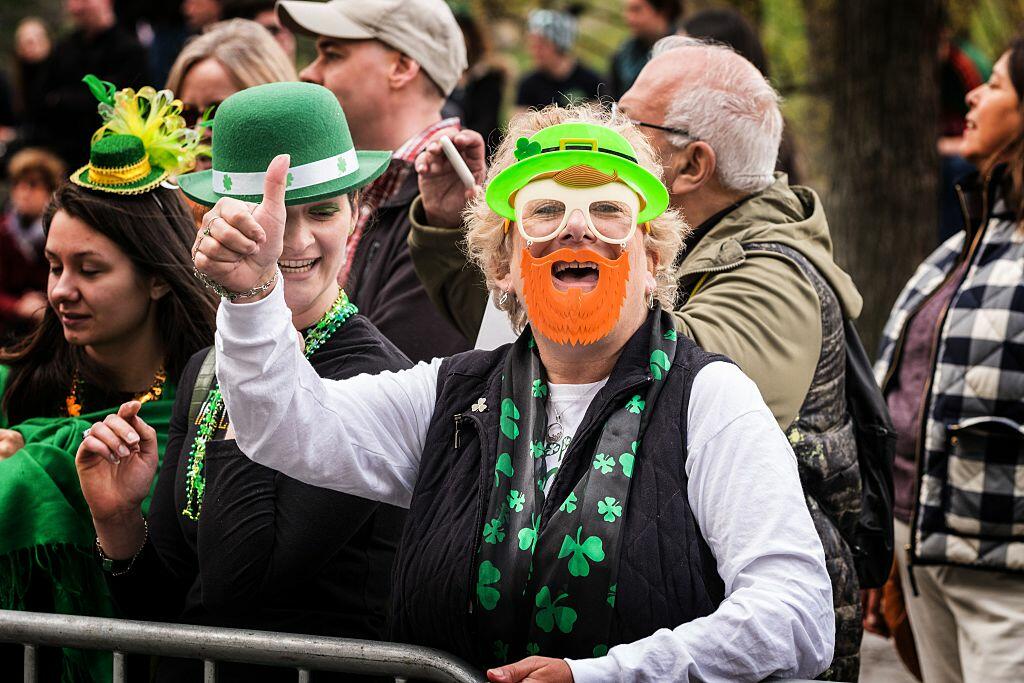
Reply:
x=543, y=209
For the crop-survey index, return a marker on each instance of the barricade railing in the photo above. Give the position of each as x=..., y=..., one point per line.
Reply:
x=211, y=645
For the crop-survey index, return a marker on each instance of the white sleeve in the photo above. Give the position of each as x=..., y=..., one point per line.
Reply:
x=363, y=435
x=744, y=489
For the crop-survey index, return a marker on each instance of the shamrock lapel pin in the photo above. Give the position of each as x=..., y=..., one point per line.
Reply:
x=480, y=405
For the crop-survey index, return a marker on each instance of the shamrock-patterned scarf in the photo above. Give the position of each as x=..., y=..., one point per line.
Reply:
x=548, y=586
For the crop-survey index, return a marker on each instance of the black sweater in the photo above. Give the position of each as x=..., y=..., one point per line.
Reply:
x=268, y=552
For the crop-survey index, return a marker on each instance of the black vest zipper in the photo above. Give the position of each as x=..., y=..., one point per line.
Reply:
x=480, y=508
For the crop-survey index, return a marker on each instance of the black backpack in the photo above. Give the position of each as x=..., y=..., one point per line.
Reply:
x=871, y=538
x=872, y=542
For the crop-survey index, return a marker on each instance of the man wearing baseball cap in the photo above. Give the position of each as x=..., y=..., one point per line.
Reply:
x=391, y=64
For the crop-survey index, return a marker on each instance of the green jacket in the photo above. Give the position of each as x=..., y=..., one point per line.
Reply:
x=756, y=307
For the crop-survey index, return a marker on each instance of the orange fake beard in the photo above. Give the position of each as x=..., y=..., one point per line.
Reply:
x=574, y=316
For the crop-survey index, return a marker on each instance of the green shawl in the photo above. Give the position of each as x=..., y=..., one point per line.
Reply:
x=46, y=534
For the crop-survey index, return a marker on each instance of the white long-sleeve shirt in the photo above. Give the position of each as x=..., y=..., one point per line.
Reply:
x=365, y=435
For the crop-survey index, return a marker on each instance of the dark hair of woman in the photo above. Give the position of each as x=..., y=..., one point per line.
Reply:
x=1015, y=149
x=729, y=27
x=155, y=230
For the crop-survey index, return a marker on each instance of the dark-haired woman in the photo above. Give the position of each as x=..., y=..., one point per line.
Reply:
x=124, y=316
x=952, y=369
x=230, y=542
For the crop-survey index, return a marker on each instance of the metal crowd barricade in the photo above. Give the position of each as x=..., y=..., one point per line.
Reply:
x=300, y=652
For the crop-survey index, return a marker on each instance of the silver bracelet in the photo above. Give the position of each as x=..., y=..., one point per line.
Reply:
x=227, y=293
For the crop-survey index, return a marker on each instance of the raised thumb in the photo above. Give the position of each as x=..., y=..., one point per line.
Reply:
x=275, y=182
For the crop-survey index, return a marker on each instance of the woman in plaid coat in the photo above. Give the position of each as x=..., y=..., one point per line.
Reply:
x=951, y=366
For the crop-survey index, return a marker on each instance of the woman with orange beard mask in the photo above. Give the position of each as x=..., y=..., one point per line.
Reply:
x=602, y=499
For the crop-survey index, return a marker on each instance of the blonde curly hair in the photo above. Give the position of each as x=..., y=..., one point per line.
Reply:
x=490, y=248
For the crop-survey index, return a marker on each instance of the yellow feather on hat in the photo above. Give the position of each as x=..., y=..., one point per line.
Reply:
x=154, y=116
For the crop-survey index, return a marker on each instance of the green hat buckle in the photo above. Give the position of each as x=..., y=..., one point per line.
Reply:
x=571, y=144
x=303, y=120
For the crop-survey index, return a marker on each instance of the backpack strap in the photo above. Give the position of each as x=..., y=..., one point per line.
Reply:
x=205, y=381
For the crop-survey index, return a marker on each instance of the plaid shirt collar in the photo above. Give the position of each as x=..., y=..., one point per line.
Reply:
x=381, y=191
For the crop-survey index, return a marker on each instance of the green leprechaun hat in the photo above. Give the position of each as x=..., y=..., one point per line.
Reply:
x=119, y=164
x=571, y=144
x=303, y=120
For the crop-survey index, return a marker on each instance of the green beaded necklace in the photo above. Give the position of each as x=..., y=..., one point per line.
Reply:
x=212, y=418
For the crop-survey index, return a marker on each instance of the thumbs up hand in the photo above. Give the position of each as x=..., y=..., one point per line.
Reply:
x=240, y=243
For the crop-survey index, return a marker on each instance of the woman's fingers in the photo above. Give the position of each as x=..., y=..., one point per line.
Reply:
x=215, y=250
x=93, y=447
x=227, y=234
x=123, y=431
x=238, y=216
x=113, y=443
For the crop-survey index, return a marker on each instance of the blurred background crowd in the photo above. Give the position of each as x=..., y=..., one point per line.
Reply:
x=875, y=95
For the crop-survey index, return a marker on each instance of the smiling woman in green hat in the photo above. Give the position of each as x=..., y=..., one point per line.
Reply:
x=232, y=542
x=602, y=499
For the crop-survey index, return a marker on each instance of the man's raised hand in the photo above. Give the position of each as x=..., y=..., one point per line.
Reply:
x=444, y=195
x=240, y=243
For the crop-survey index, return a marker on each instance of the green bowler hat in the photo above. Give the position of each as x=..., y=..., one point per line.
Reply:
x=301, y=119
x=570, y=144
x=119, y=164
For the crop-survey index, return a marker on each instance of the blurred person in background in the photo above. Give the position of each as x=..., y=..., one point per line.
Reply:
x=263, y=13
x=648, y=21
x=124, y=316
x=32, y=48
x=727, y=26
x=952, y=370
x=558, y=76
x=229, y=56
x=201, y=13
x=34, y=174
x=391, y=65
x=481, y=91
x=97, y=45
x=161, y=28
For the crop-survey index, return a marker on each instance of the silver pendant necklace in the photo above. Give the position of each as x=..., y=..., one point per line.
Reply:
x=554, y=434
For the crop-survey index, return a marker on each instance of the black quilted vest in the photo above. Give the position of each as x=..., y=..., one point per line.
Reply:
x=667, y=574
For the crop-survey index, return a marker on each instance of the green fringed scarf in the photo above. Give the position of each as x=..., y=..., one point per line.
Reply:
x=46, y=533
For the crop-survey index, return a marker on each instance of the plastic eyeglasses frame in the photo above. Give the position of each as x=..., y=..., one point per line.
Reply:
x=582, y=204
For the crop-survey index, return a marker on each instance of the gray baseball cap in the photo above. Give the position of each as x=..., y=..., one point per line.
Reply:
x=422, y=29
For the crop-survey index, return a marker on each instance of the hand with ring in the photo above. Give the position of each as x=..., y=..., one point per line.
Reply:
x=116, y=462
x=240, y=244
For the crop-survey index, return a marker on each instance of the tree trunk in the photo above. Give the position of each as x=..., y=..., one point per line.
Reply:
x=878, y=66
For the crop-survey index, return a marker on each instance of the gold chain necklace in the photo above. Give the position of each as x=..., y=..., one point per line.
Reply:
x=74, y=407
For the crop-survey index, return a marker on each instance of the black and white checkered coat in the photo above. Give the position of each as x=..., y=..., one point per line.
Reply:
x=970, y=504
